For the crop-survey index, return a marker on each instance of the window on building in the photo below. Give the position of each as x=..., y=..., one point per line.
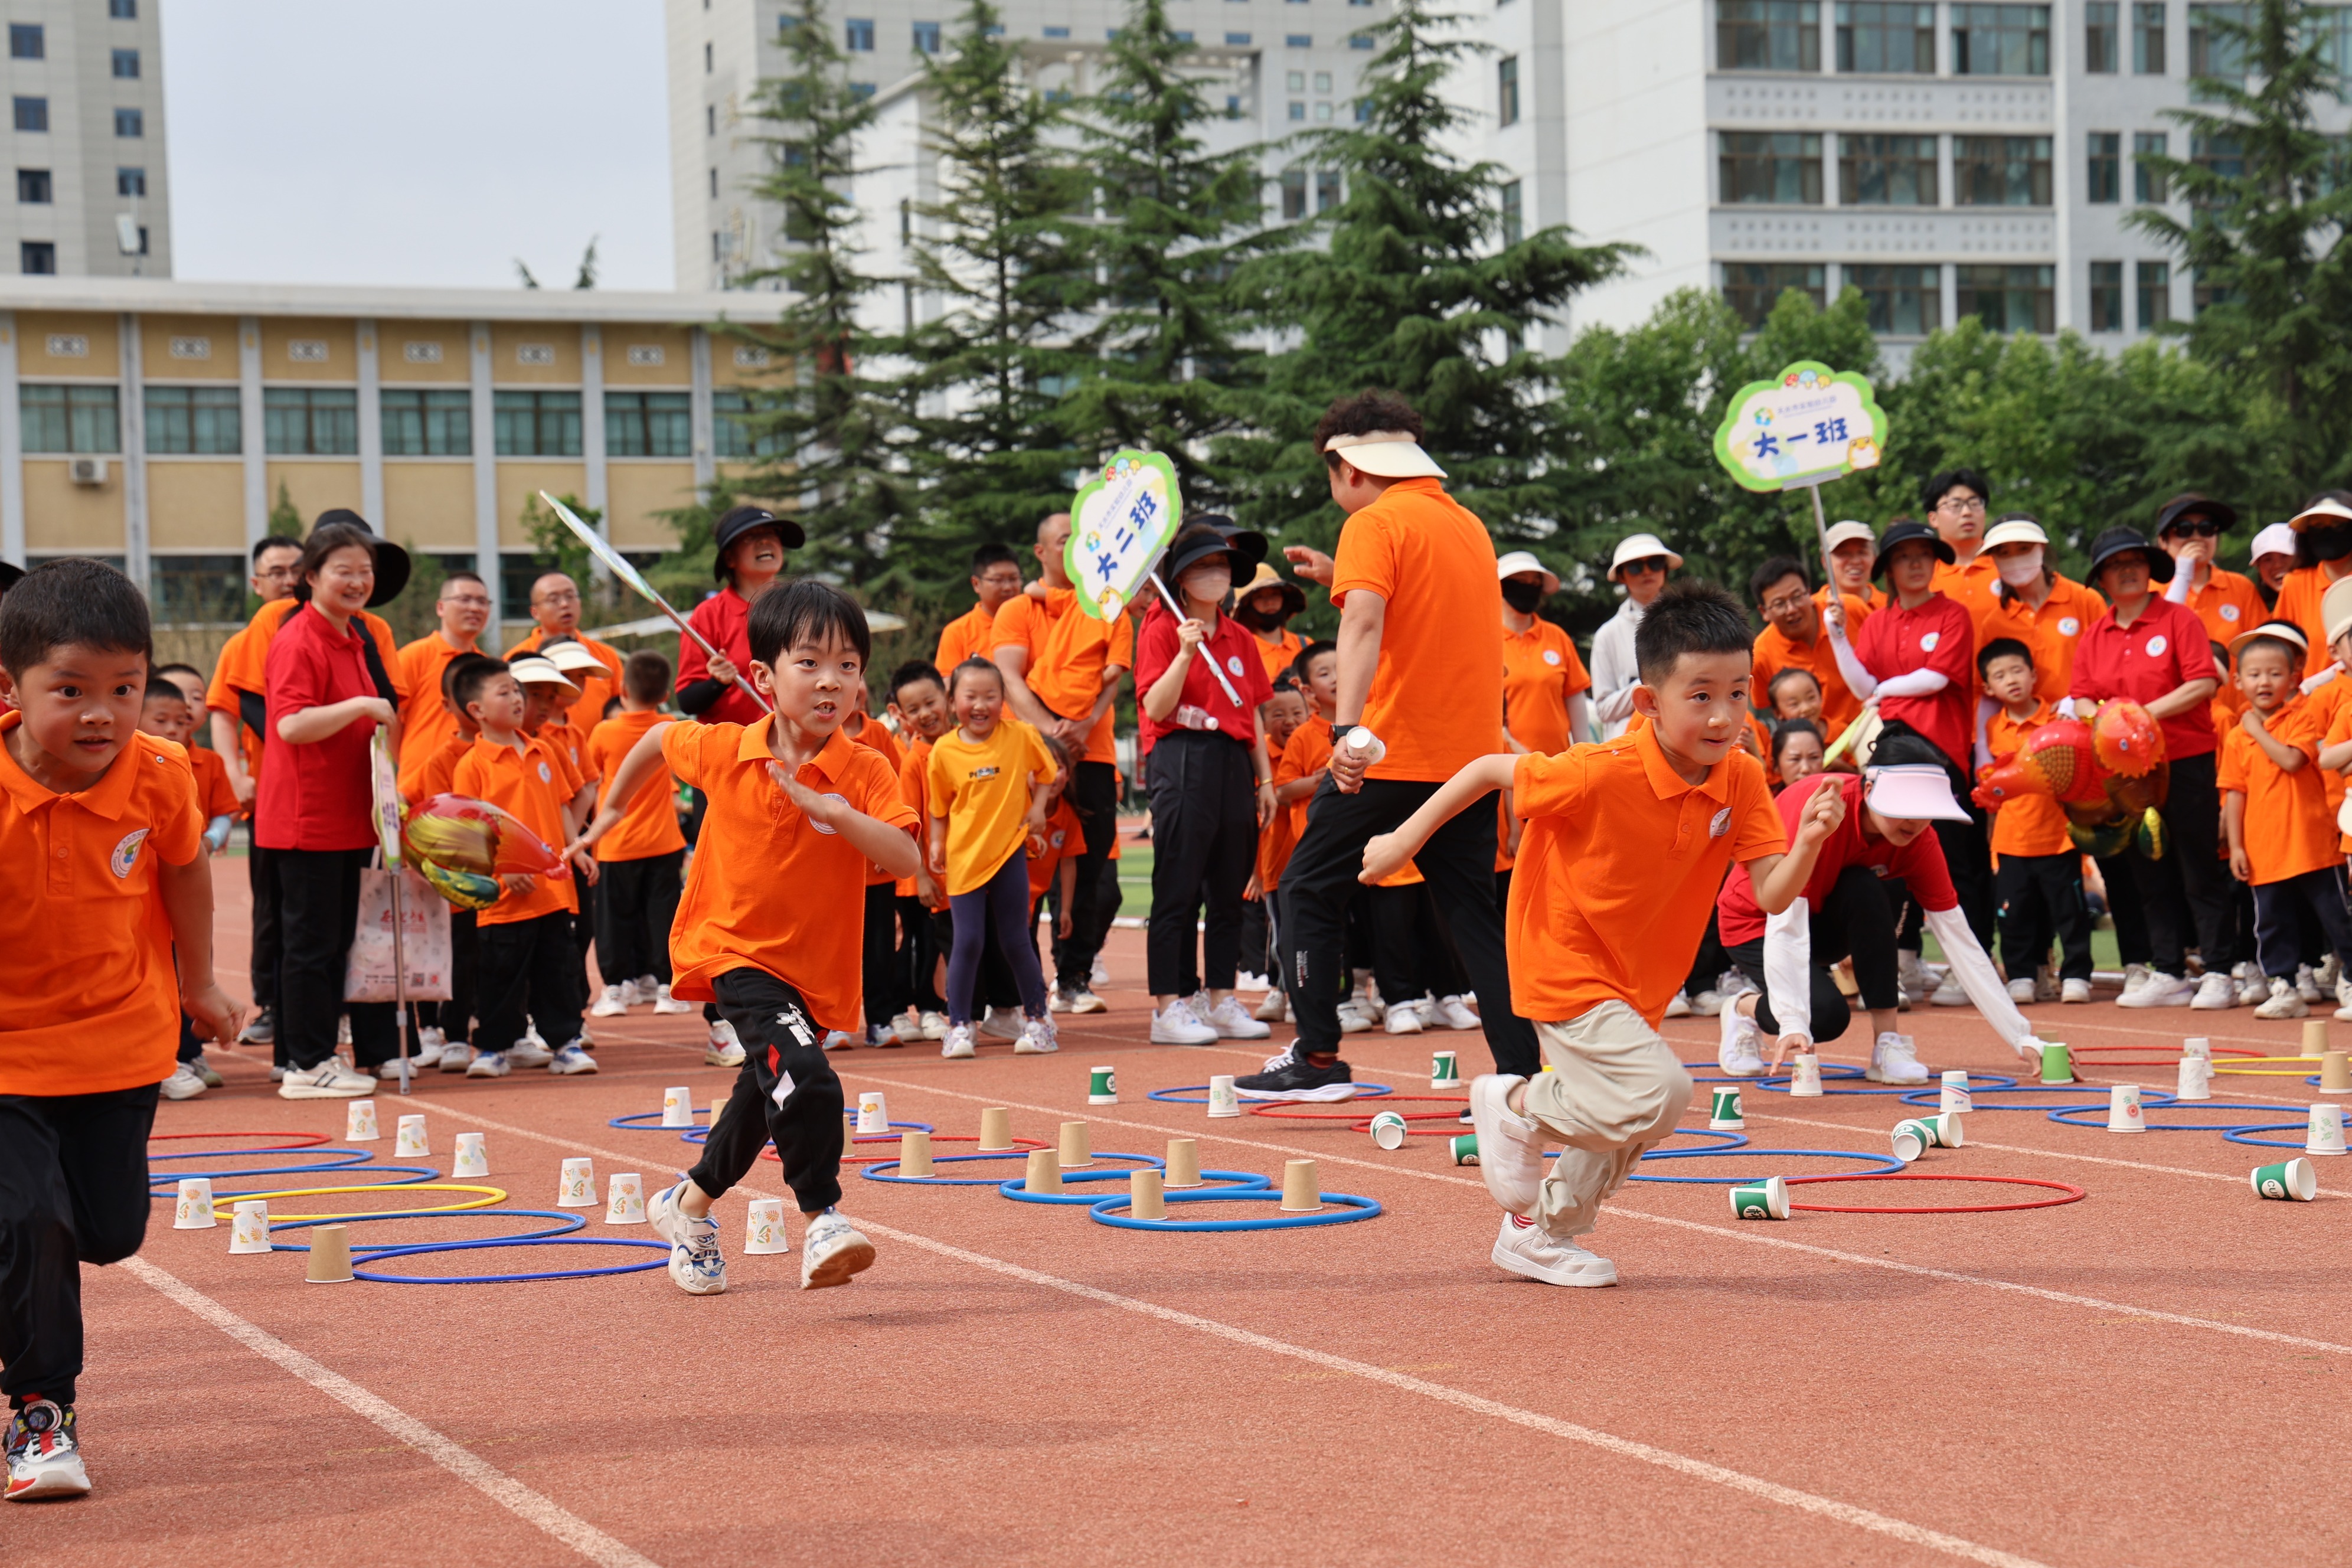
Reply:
x=2154, y=281
x=129, y=182
x=2008, y=299
x=1507, y=90
x=709, y=60
x=1238, y=40
x=1294, y=195
x=1294, y=81
x=1752, y=288
x=926, y=37
x=2222, y=156
x=1784, y=167
x=126, y=65
x=1322, y=81
x=123, y=10
x=2211, y=50
x=1057, y=32
x=1886, y=171
x=33, y=186
x=649, y=424
x=310, y=421
x=2204, y=296
x=2100, y=50
x=1514, y=227
x=2148, y=184
x=2107, y=296
x=2104, y=180
x=37, y=258
x=2001, y=171
x=2000, y=40
x=1298, y=40
x=2148, y=38
x=1358, y=40
x=32, y=114
x=1328, y=189
x=421, y=423
x=1873, y=37
x=861, y=90
x=69, y=418
x=710, y=120
x=207, y=420
x=2334, y=28
x=130, y=122
x=860, y=39
x=1907, y=300
x=731, y=433
x=198, y=590
x=537, y=424
x=27, y=41
x=1298, y=109
x=1767, y=36
x=1323, y=113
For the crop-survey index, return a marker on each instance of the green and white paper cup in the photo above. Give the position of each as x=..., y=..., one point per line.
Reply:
x=1767, y=1199
x=1463, y=1146
x=1445, y=1072
x=2289, y=1181
x=1726, y=1116
x=1102, y=1086
x=1911, y=1139
x=1389, y=1129
x=2055, y=1066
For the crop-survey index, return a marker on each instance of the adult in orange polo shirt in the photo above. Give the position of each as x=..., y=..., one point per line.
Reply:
x=2047, y=612
x=1062, y=670
x=2188, y=527
x=1793, y=639
x=1544, y=683
x=1415, y=578
x=1853, y=551
x=2323, y=556
x=425, y=722
x=995, y=583
x=555, y=605
x=1955, y=501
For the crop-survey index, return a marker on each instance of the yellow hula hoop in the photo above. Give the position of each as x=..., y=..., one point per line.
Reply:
x=2269, y=1072
x=495, y=1195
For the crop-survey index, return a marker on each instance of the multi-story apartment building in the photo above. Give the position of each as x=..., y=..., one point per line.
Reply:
x=85, y=141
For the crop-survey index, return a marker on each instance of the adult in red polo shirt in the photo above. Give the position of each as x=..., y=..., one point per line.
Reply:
x=2154, y=652
x=752, y=542
x=313, y=812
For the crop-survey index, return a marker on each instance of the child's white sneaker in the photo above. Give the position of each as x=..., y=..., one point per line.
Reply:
x=883, y=1036
x=2020, y=992
x=1274, y=1009
x=1452, y=1013
x=1000, y=1023
x=1522, y=1247
x=456, y=1055
x=2284, y=1001
x=1231, y=1021
x=833, y=1251
x=1038, y=1038
x=1680, y=1006
x=932, y=1025
x=667, y=1005
x=572, y=1061
x=1511, y=1147
x=1175, y=1025
x=725, y=1050
x=1736, y=1054
x=530, y=1051
x=185, y=1082
x=2075, y=991
x=487, y=1063
x=959, y=1046
x=1891, y=1061
x=1404, y=1018
x=696, y=1265
x=612, y=1003
x=330, y=1080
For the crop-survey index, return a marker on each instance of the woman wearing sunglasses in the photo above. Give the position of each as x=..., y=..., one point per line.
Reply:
x=1639, y=565
x=2189, y=530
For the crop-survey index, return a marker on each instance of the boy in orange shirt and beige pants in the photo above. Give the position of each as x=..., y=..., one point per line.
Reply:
x=1625, y=844
x=103, y=853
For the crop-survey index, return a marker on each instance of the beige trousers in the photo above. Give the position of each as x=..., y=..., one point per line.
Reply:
x=1614, y=1091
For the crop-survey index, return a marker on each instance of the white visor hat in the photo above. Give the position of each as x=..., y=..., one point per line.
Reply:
x=1385, y=454
x=533, y=670
x=1912, y=792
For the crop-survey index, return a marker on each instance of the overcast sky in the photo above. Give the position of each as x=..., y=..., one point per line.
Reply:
x=421, y=142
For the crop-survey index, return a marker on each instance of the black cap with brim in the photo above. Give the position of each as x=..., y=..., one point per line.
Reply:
x=740, y=520
x=2193, y=504
x=1904, y=533
x=1246, y=548
x=391, y=561
x=2117, y=542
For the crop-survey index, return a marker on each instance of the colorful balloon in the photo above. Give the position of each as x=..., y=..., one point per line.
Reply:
x=2109, y=775
x=461, y=833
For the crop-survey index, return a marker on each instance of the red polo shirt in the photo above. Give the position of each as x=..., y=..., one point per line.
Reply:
x=315, y=796
x=2165, y=649
x=1937, y=635
x=1235, y=649
x=725, y=618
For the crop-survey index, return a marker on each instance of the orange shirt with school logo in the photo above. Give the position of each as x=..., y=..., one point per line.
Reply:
x=982, y=789
x=2050, y=633
x=771, y=889
x=649, y=826
x=214, y=796
x=426, y=721
x=877, y=735
x=597, y=689
x=1970, y=586
x=1280, y=654
x=1065, y=838
x=2031, y=824
x=2285, y=826
x=1068, y=652
x=1619, y=862
x=1776, y=651
x=972, y=635
x=93, y=1002
x=2229, y=603
x=1540, y=672
x=244, y=659
x=531, y=784
x=2300, y=600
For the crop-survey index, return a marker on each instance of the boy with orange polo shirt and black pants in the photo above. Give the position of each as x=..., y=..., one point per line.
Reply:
x=641, y=863
x=769, y=927
x=2039, y=882
x=103, y=854
x=1625, y=844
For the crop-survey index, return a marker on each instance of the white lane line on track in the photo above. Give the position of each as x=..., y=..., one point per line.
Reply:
x=1477, y=1404
x=532, y=1508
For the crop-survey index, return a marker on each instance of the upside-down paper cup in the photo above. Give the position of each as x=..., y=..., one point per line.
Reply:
x=577, y=1187
x=248, y=1226
x=193, y=1211
x=1223, y=1100
x=764, y=1229
x=1954, y=1097
x=677, y=1106
x=1725, y=1115
x=1805, y=1077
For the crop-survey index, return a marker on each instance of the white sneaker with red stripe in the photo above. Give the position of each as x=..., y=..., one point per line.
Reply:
x=44, y=1459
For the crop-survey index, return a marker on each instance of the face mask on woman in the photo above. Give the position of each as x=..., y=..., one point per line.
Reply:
x=1522, y=597
x=2019, y=570
x=2333, y=542
x=1259, y=620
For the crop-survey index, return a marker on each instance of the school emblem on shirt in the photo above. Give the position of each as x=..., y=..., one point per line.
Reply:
x=1234, y=663
x=545, y=775
x=989, y=772
x=2068, y=625
x=1551, y=655
x=126, y=854
x=2229, y=612
x=1722, y=823
x=821, y=828
x=1928, y=644
x=2155, y=644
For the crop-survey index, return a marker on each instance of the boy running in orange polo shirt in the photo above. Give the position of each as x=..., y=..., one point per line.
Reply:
x=769, y=925
x=1626, y=845
x=641, y=864
x=2275, y=808
x=104, y=854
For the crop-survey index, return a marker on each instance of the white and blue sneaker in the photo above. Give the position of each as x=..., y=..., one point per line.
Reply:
x=832, y=1250
x=571, y=1059
x=487, y=1063
x=696, y=1264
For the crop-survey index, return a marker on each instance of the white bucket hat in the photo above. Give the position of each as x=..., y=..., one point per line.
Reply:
x=573, y=658
x=2278, y=539
x=1640, y=547
x=1912, y=792
x=1386, y=455
x=1848, y=533
x=2014, y=530
x=1519, y=560
x=533, y=670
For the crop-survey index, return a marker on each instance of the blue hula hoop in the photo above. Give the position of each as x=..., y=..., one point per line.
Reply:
x=412, y=1174
x=379, y=1254
x=1880, y=1164
x=247, y=1153
x=1932, y=1095
x=571, y=1220
x=874, y=1172
x=2069, y=1116
x=1198, y=1094
x=635, y=1121
x=2238, y=1134
x=1730, y=1140
x=1352, y=1207
x=358, y=1157
x=1226, y=1181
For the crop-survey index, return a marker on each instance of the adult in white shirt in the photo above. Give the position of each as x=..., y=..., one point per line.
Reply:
x=1639, y=565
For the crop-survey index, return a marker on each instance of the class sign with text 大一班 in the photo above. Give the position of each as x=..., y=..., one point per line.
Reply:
x=1805, y=426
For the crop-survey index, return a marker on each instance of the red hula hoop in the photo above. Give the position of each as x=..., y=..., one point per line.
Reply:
x=2074, y=1195
x=302, y=1139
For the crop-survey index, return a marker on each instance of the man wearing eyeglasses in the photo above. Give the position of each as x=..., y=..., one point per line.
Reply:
x=2189, y=528
x=555, y=605
x=1640, y=565
x=1956, y=500
x=464, y=607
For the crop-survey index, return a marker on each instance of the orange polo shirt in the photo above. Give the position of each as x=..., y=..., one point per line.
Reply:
x=1280, y=654
x=1970, y=586
x=2300, y=600
x=772, y=890
x=914, y=774
x=982, y=788
x=1776, y=651
x=220, y=697
x=1069, y=651
x=1541, y=671
x=245, y=659
x=94, y=1000
x=2031, y=824
x=969, y=634
x=1309, y=752
x=595, y=691
x=2228, y=605
x=425, y=720
x=437, y=771
x=1063, y=839
x=877, y=735
x=2050, y=632
x=1873, y=598
x=2339, y=730
x=1619, y=862
x=529, y=783
x=2285, y=828
x=213, y=795
x=649, y=827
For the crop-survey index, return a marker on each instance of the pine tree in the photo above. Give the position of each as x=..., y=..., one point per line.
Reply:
x=1173, y=221
x=2265, y=236
x=1418, y=292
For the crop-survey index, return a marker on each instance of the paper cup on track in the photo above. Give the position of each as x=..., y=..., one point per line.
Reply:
x=677, y=1107
x=2315, y=1037
x=626, y=1200
x=1223, y=1100
x=2197, y=1046
x=2196, y=1077
x=473, y=1155
x=1444, y=1072
x=1767, y=1199
x=2326, y=1134
x=1726, y=1116
x=577, y=1189
x=2123, y=1114
x=915, y=1152
x=329, y=1261
x=1044, y=1173
x=995, y=1130
x=1102, y=1086
x=873, y=1112
x=1464, y=1147
x=1145, y=1198
x=411, y=1138
x=2335, y=1073
x=1805, y=1077
x=1184, y=1164
x=359, y=1122
x=1944, y=1129
x=193, y=1211
x=764, y=1228
x=1911, y=1139
x=2289, y=1181
x=1388, y=1130
x=1956, y=1093
x=1302, y=1190
x=249, y=1227
x=2056, y=1067
x=1076, y=1151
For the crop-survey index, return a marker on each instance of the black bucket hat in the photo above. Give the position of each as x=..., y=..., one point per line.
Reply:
x=1904, y=533
x=391, y=559
x=2117, y=542
x=2181, y=506
x=740, y=520
x=1247, y=547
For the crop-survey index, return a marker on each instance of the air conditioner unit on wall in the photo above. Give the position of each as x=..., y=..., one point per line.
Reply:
x=86, y=471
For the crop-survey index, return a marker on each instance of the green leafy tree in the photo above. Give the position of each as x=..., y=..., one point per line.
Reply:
x=285, y=516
